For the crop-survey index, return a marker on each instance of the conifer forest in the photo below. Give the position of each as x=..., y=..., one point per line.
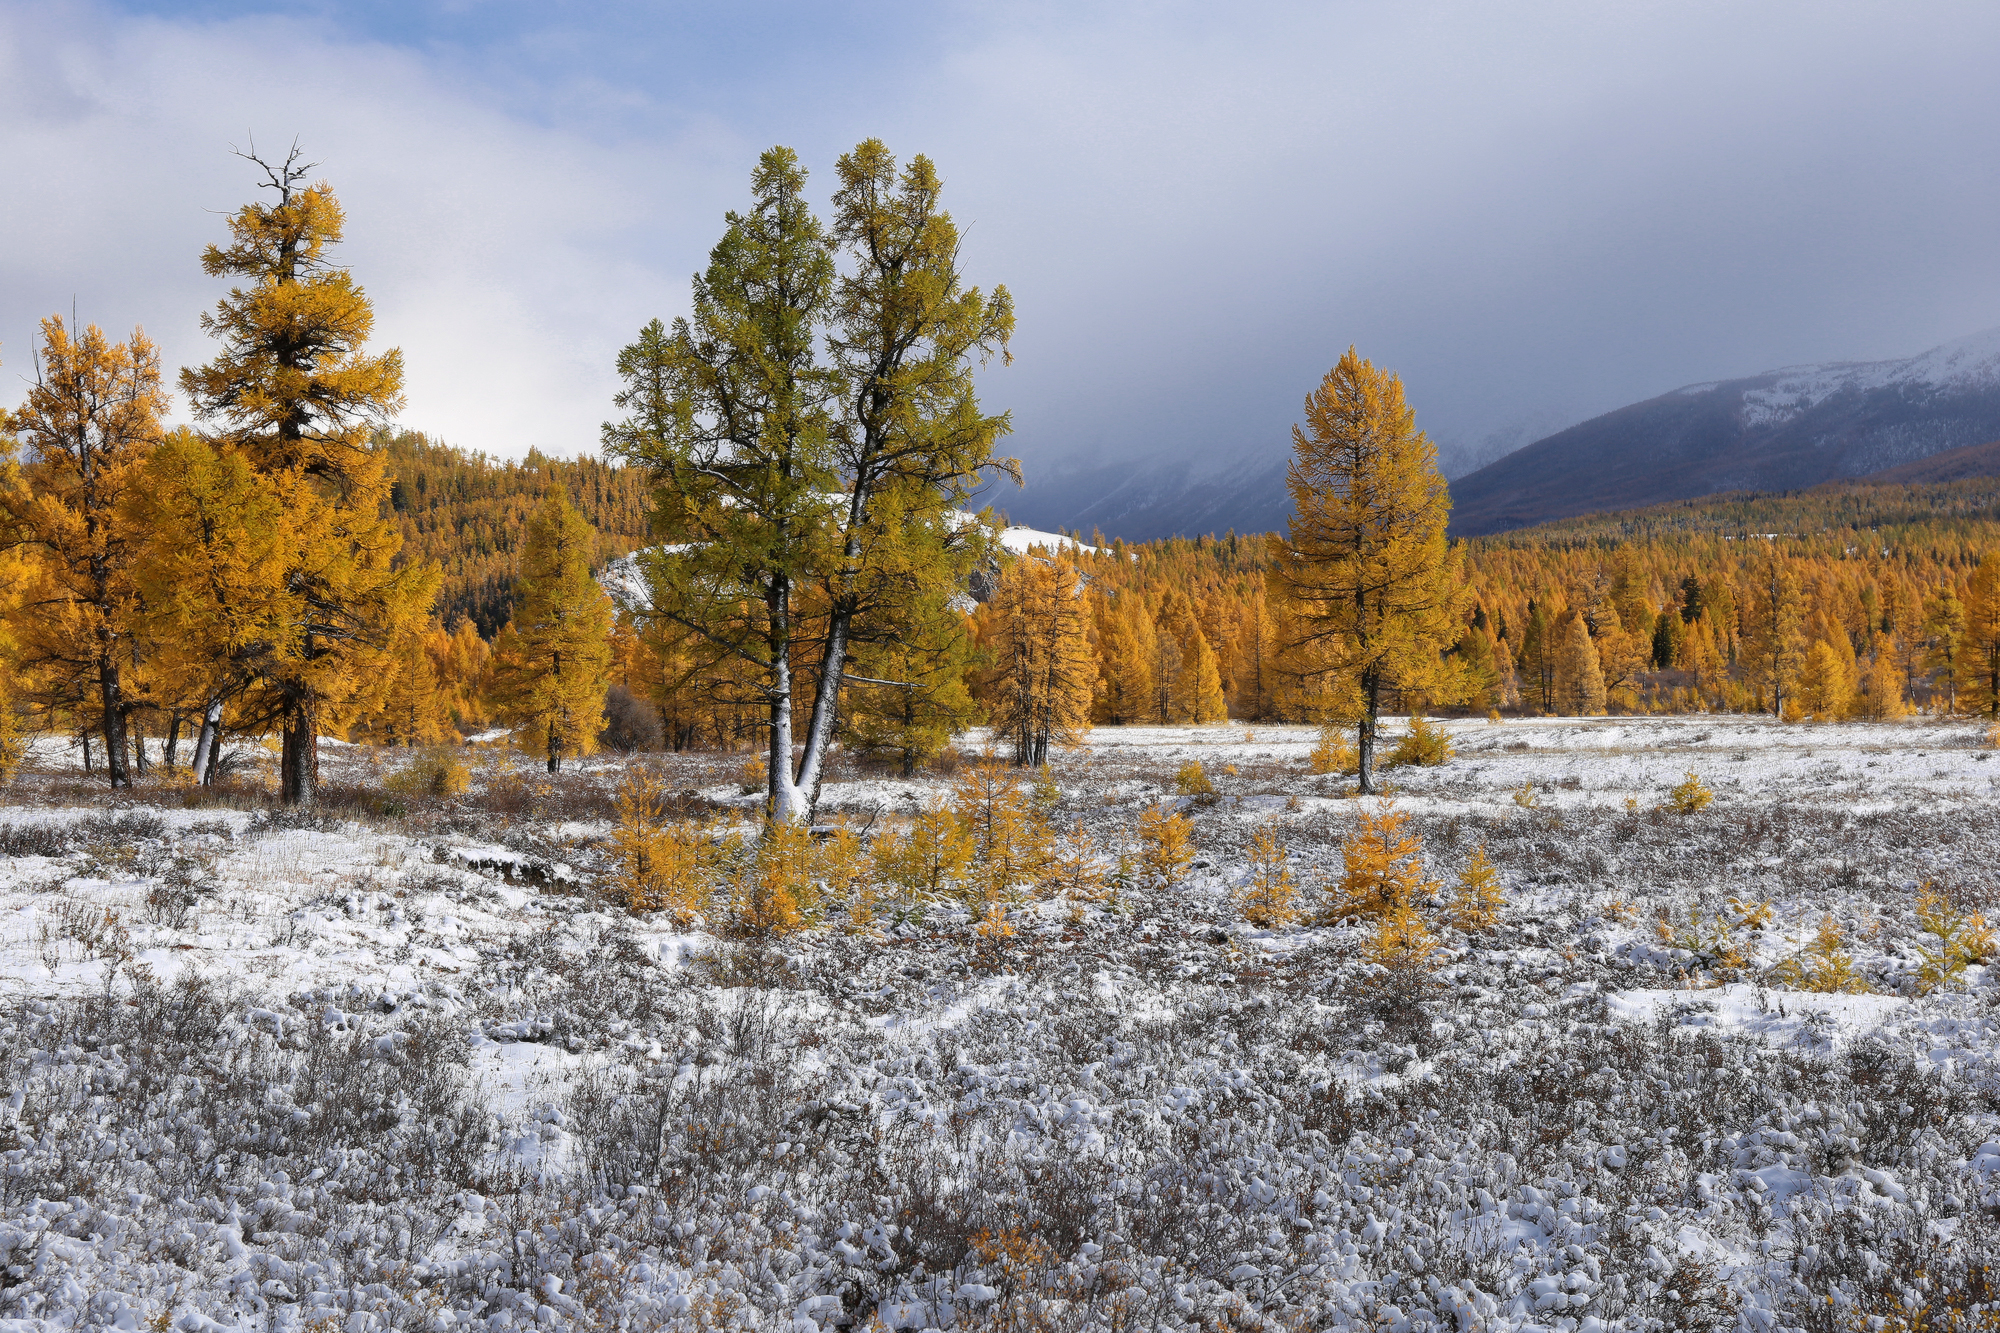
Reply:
x=721, y=875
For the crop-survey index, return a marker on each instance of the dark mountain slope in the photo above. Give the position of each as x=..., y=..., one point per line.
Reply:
x=1783, y=430
x=1978, y=460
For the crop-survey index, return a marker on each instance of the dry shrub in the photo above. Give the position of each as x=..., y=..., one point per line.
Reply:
x=435, y=772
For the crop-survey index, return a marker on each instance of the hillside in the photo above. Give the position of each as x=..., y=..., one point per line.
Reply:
x=1976, y=460
x=463, y=511
x=1782, y=430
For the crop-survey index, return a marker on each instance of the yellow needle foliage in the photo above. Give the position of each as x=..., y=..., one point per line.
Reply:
x=1334, y=753
x=294, y=391
x=1366, y=593
x=1168, y=842
x=1477, y=898
x=663, y=864
x=1401, y=942
x=1824, y=965
x=776, y=892
x=1046, y=674
x=1010, y=836
x=1269, y=898
x=90, y=419
x=552, y=664
x=933, y=858
x=1690, y=796
x=1384, y=866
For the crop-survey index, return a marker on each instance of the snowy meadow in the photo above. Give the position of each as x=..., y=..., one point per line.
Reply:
x=409, y=1064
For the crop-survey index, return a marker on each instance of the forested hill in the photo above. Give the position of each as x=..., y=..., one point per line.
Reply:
x=1939, y=518
x=464, y=512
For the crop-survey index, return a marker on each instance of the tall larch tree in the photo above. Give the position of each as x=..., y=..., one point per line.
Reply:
x=89, y=422
x=1124, y=657
x=1979, y=643
x=1774, y=643
x=1368, y=592
x=211, y=577
x=552, y=663
x=295, y=390
x=1578, y=689
x=809, y=504
x=1045, y=671
x=1189, y=681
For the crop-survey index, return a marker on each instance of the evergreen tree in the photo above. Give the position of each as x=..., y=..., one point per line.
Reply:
x=89, y=422
x=552, y=664
x=295, y=391
x=1370, y=592
x=810, y=506
x=1044, y=665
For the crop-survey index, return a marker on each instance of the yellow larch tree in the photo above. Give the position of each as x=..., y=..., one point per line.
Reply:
x=1383, y=865
x=89, y=422
x=1367, y=594
x=1774, y=645
x=295, y=390
x=210, y=577
x=552, y=663
x=1579, y=680
x=1125, y=658
x=1045, y=670
x=1188, y=680
x=1979, y=643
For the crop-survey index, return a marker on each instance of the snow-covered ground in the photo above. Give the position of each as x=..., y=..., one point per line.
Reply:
x=409, y=1068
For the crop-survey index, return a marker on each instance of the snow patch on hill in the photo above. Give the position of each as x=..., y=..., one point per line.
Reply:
x=1968, y=363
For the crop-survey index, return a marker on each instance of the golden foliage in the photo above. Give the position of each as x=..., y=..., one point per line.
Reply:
x=1477, y=898
x=1423, y=745
x=1334, y=753
x=662, y=864
x=1824, y=965
x=1383, y=866
x=1190, y=780
x=1690, y=796
x=552, y=664
x=1366, y=593
x=1045, y=674
x=1400, y=941
x=933, y=858
x=434, y=771
x=1167, y=843
x=1269, y=897
x=1011, y=838
x=776, y=892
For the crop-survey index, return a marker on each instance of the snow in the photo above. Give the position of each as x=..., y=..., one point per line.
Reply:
x=380, y=1070
x=1966, y=363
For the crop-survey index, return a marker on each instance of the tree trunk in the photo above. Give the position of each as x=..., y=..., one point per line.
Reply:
x=114, y=722
x=173, y=746
x=825, y=714
x=299, y=770
x=206, y=743
x=83, y=734
x=138, y=738
x=555, y=748
x=1365, y=742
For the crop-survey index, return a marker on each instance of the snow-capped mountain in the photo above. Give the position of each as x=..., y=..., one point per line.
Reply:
x=1781, y=430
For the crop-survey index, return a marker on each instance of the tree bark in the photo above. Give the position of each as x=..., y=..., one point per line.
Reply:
x=173, y=745
x=114, y=722
x=206, y=743
x=299, y=770
x=1365, y=741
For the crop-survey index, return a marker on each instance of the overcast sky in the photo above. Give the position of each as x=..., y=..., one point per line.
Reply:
x=1535, y=212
